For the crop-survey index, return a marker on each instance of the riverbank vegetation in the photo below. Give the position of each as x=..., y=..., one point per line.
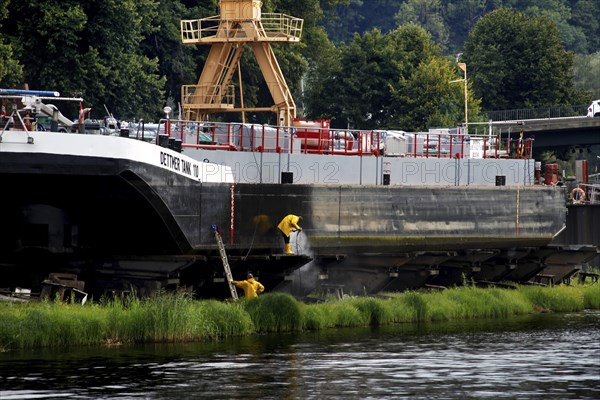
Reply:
x=177, y=317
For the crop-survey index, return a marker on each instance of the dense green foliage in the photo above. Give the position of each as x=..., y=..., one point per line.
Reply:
x=449, y=21
x=375, y=64
x=398, y=80
x=517, y=61
x=88, y=49
x=179, y=318
x=587, y=71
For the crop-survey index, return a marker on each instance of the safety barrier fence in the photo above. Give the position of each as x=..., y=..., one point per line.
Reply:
x=272, y=26
x=535, y=113
x=298, y=139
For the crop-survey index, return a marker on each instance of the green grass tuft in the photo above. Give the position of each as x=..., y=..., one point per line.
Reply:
x=591, y=296
x=176, y=317
x=558, y=298
x=275, y=312
x=375, y=311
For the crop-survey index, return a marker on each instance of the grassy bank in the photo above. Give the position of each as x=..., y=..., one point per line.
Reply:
x=179, y=318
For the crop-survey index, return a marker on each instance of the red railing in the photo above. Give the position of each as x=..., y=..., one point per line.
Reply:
x=273, y=139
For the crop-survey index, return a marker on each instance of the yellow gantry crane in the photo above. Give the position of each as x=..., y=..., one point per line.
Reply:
x=240, y=24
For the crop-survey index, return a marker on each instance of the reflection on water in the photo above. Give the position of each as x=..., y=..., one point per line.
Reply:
x=534, y=357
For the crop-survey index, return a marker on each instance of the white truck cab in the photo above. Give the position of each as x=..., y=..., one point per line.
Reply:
x=594, y=109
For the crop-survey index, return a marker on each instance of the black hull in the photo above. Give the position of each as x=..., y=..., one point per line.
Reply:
x=114, y=222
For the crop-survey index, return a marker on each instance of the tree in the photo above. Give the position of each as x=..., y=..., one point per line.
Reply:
x=428, y=14
x=461, y=16
x=90, y=48
x=362, y=87
x=427, y=99
x=11, y=71
x=381, y=80
x=370, y=65
x=587, y=71
x=517, y=61
x=324, y=67
x=586, y=15
x=345, y=19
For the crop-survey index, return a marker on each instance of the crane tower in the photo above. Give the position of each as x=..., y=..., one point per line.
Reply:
x=239, y=24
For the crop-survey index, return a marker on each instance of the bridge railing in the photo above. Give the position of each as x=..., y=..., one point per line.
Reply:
x=534, y=113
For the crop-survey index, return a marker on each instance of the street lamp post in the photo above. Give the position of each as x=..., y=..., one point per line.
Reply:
x=463, y=66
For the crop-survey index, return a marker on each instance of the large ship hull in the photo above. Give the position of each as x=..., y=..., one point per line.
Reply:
x=389, y=219
x=370, y=239
x=113, y=209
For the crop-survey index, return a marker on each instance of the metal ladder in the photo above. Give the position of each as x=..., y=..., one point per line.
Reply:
x=219, y=240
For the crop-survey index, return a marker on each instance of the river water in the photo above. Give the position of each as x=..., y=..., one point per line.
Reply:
x=544, y=356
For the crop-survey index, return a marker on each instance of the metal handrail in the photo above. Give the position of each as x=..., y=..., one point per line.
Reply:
x=535, y=113
x=275, y=25
x=312, y=140
x=202, y=95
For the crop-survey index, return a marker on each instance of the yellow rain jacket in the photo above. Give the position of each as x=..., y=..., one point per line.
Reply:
x=252, y=288
x=288, y=224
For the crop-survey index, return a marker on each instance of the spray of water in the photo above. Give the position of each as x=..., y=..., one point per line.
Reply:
x=305, y=280
x=300, y=245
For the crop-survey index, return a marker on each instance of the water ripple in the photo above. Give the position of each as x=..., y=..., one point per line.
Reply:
x=534, y=357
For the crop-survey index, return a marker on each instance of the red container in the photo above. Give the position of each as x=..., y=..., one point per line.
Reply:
x=313, y=134
x=551, y=175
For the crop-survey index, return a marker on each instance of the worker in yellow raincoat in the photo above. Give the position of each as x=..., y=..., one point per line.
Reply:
x=287, y=225
x=252, y=288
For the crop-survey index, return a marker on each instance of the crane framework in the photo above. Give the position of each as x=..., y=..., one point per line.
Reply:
x=240, y=24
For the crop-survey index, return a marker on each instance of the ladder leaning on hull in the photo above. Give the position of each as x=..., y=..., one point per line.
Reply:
x=223, y=255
